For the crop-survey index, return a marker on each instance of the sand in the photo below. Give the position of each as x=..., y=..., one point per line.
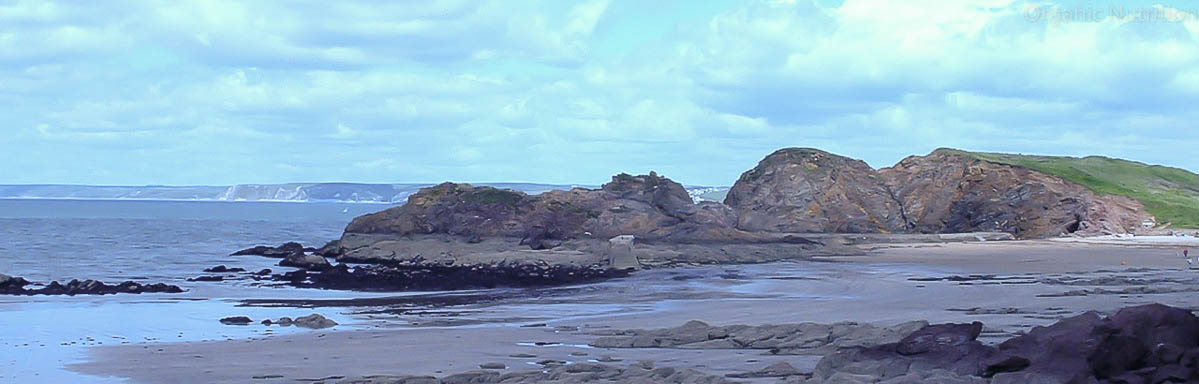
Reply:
x=887, y=285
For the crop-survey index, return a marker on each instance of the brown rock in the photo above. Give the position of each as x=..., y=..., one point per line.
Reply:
x=647, y=206
x=947, y=191
x=809, y=190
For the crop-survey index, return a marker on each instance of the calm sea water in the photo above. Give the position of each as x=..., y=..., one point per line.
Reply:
x=149, y=241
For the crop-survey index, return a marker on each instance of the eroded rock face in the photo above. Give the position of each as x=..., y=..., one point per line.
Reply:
x=951, y=192
x=809, y=190
x=647, y=206
x=1144, y=344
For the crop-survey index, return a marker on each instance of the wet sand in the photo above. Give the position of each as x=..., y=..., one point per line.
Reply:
x=886, y=286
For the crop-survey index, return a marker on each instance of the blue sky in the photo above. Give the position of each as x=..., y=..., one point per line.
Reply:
x=216, y=92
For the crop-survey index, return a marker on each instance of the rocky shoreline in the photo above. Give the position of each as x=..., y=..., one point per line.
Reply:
x=15, y=285
x=1150, y=343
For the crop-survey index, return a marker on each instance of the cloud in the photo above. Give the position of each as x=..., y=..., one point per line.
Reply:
x=218, y=92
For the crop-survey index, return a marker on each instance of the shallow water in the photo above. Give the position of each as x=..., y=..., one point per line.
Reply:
x=145, y=241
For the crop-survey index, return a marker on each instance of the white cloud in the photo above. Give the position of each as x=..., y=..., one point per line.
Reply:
x=505, y=90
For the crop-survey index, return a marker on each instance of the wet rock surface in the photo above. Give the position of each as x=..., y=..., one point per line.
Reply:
x=446, y=277
x=782, y=339
x=306, y=261
x=236, y=320
x=280, y=251
x=313, y=321
x=15, y=285
x=642, y=372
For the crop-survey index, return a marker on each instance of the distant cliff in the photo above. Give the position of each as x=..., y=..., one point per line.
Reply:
x=300, y=192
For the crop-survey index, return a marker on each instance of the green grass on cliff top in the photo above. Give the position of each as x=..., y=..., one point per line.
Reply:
x=1170, y=194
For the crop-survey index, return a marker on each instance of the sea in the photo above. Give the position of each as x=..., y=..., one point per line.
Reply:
x=149, y=242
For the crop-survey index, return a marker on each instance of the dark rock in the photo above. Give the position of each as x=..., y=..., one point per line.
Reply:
x=939, y=337
x=264, y=272
x=223, y=269
x=306, y=261
x=10, y=285
x=207, y=278
x=1008, y=364
x=236, y=320
x=330, y=249
x=493, y=366
x=281, y=251
x=446, y=277
x=1142, y=344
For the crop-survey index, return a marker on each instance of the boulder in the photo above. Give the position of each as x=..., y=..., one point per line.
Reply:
x=1151, y=343
x=306, y=261
x=809, y=190
x=236, y=320
x=223, y=269
x=314, y=321
x=620, y=253
x=281, y=251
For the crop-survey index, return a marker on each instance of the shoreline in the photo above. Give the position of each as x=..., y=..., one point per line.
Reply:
x=875, y=288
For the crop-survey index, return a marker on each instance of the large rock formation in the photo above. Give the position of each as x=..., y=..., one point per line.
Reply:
x=809, y=190
x=648, y=206
x=948, y=191
x=1151, y=343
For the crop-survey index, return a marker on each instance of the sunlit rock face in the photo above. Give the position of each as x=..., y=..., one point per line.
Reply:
x=946, y=191
x=809, y=190
x=647, y=206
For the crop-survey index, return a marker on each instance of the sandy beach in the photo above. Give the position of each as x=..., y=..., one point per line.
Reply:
x=1010, y=286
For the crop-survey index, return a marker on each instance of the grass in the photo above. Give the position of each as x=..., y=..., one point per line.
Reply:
x=1170, y=194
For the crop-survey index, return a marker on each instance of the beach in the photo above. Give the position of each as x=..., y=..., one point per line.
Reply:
x=1010, y=286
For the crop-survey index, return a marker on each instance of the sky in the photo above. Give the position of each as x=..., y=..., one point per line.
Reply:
x=228, y=92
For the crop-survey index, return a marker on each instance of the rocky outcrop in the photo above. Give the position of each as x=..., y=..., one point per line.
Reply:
x=948, y=191
x=809, y=190
x=1145, y=344
x=14, y=285
x=647, y=206
x=281, y=251
x=314, y=321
